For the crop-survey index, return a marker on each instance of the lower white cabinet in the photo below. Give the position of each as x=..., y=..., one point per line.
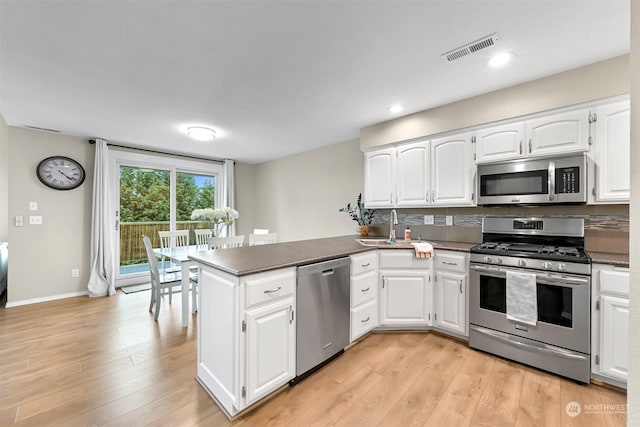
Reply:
x=405, y=294
x=610, y=324
x=451, y=292
x=364, y=293
x=271, y=350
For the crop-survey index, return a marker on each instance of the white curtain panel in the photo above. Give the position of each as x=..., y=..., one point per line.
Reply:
x=228, y=194
x=101, y=280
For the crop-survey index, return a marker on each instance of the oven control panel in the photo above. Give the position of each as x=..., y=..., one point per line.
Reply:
x=521, y=224
x=496, y=262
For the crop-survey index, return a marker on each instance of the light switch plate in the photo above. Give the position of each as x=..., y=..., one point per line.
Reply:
x=449, y=220
x=429, y=220
x=33, y=206
x=35, y=219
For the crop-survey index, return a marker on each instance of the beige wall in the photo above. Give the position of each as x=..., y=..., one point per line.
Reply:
x=4, y=180
x=633, y=397
x=591, y=82
x=299, y=196
x=245, y=198
x=42, y=256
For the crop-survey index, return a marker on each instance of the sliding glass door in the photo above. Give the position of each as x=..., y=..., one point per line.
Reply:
x=155, y=193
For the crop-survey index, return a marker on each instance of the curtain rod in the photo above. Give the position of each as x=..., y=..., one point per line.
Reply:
x=221, y=161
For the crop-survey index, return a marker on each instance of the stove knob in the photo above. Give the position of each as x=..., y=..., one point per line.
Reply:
x=547, y=265
x=487, y=259
x=562, y=266
x=522, y=263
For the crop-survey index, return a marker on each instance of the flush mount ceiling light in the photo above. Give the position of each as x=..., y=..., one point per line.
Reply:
x=396, y=108
x=500, y=59
x=201, y=133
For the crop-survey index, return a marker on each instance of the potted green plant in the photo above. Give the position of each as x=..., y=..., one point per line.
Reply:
x=358, y=213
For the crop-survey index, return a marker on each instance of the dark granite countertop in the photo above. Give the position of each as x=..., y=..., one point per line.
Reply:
x=619, y=260
x=256, y=259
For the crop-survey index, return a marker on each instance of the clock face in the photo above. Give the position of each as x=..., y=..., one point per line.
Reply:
x=60, y=173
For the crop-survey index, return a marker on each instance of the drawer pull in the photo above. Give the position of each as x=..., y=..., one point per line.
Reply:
x=366, y=320
x=449, y=263
x=365, y=290
x=366, y=265
x=270, y=291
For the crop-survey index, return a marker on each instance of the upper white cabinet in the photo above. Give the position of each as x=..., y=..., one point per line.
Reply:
x=412, y=178
x=421, y=174
x=452, y=171
x=559, y=133
x=379, y=178
x=611, y=183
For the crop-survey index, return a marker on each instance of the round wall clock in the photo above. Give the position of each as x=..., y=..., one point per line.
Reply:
x=60, y=173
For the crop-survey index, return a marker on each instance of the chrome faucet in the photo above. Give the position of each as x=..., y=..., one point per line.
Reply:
x=393, y=220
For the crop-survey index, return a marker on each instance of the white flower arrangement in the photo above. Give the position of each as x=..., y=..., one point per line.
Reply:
x=217, y=217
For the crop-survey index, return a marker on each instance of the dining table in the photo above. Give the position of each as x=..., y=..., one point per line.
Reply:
x=180, y=255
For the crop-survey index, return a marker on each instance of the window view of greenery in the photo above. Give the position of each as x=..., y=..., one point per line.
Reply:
x=145, y=207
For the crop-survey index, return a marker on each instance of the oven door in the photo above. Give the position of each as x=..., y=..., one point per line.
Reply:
x=563, y=303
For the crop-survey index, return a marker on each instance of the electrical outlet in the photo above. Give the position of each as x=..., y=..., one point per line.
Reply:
x=35, y=219
x=449, y=220
x=75, y=272
x=19, y=221
x=429, y=220
x=33, y=206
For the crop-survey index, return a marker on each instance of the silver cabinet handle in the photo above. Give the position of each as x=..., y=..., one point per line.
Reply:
x=365, y=320
x=530, y=146
x=521, y=147
x=292, y=315
x=382, y=282
x=449, y=263
x=270, y=291
x=365, y=290
x=460, y=286
x=366, y=265
x=433, y=196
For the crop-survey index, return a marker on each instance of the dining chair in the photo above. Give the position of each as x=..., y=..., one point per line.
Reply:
x=172, y=239
x=262, y=239
x=226, y=242
x=260, y=231
x=202, y=236
x=165, y=283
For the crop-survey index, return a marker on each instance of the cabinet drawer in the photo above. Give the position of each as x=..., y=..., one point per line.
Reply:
x=266, y=287
x=398, y=258
x=363, y=288
x=614, y=281
x=363, y=263
x=451, y=262
x=363, y=319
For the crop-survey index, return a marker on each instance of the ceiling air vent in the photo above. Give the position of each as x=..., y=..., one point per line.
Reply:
x=42, y=129
x=470, y=48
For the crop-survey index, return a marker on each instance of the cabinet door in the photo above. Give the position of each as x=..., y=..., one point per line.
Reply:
x=412, y=175
x=405, y=298
x=560, y=133
x=497, y=143
x=613, y=135
x=614, y=333
x=270, y=348
x=451, y=302
x=452, y=169
x=379, y=178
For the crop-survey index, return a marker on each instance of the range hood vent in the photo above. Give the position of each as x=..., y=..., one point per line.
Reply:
x=470, y=48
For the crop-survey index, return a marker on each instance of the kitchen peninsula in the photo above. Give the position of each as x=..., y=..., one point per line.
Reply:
x=246, y=320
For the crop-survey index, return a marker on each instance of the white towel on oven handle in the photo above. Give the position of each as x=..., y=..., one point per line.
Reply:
x=522, y=301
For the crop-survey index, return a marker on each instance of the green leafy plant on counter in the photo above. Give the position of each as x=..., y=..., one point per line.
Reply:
x=358, y=212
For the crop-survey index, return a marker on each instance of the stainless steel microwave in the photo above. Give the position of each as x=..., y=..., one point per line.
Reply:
x=533, y=181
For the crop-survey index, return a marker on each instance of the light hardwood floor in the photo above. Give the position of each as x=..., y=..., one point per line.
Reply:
x=104, y=361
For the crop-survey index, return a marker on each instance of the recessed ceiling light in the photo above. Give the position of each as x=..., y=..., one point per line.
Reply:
x=201, y=133
x=499, y=59
x=396, y=108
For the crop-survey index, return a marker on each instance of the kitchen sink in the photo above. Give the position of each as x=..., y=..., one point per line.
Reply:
x=384, y=243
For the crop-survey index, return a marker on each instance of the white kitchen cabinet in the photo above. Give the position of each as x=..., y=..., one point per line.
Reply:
x=271, y=349
x=364, y=293
x=559, y=133
x=497, y=143
x=610, y=324
x=612, y=183
x=452, y=170
x=405, y=292
x=451, y=292
x=379, y=178
x=412, y=174
x=248, y=349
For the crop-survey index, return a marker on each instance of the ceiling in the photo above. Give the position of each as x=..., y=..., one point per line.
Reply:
x=274, y=78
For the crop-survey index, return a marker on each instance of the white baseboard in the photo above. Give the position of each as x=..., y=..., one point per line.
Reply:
x=45, y=299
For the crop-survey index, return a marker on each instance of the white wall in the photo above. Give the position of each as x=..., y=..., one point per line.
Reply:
x=245, y=198
x=4, y=180
x=299, y=196
x=633, y=395
x=42, y=256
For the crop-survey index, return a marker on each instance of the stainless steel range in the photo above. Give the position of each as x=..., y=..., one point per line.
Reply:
x=530, y=293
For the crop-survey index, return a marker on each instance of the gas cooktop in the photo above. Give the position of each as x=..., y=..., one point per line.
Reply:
x=536, y=251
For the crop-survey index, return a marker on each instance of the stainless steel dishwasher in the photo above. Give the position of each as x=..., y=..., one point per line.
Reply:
x=323, y=310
